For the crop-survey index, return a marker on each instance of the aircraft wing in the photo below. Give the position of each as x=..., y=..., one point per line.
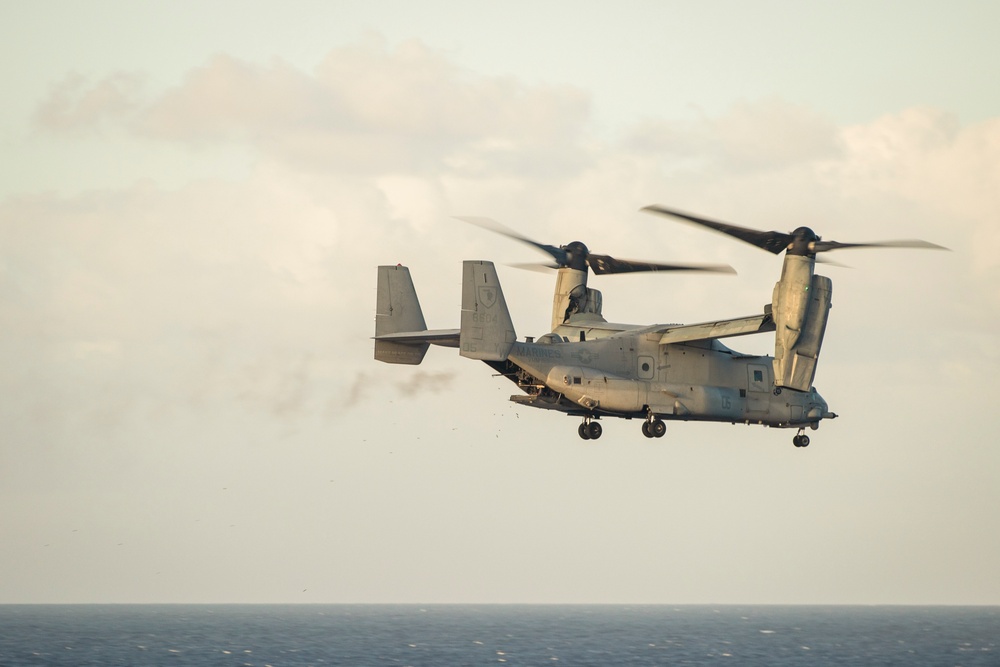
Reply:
x=741, y=326
x=442, y=337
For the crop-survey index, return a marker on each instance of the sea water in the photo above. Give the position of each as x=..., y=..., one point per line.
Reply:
x=439, y=635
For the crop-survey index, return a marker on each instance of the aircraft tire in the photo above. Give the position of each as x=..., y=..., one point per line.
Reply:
x=645, y=430
x=657, y=428
x=583, y=431
x=595, y=430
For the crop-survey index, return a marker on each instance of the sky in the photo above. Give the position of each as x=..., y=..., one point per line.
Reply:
x=193, y=202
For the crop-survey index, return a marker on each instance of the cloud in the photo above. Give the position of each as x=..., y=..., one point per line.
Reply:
x=920, y=173
x=928, y=160
x=231, y=100
x=74, y=105
x=148, y=303
x=364, y=109
x=750, y=136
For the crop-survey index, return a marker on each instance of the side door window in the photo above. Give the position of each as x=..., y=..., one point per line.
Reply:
x=647, y=368
x=758, y=380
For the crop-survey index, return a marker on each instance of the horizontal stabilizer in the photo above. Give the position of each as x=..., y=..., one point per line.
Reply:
x=442, y=337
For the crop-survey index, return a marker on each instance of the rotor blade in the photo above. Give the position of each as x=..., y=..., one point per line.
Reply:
x=536, y=267
x=772, y=241
x=558, y=254
x=830, y=262
x=605, y=264
x=823, y=246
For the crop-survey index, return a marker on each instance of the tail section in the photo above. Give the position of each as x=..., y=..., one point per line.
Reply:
x=487, y=331
x=398, y=311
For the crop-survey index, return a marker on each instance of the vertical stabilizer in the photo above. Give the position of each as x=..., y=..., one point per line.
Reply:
x=487, y=331
x=397, y=311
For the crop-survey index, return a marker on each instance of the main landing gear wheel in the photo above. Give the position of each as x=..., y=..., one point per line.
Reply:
x=654, y=428
x=590, y=430
x=801, y=440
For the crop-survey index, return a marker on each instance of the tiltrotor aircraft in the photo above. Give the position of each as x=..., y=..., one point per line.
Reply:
x=591, y=368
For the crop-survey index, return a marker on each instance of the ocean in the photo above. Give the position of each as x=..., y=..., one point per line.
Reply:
x=443, y=635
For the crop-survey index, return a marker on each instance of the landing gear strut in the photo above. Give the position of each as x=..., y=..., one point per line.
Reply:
x=653, y=427
x=589, y=430
x=801, y=439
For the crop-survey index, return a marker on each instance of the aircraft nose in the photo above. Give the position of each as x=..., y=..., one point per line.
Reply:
x=820, y=409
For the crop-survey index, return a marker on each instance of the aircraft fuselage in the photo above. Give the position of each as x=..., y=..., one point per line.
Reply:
x=636, y=375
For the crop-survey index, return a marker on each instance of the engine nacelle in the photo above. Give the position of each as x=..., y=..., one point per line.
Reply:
x=801, y=306
x=572, y=297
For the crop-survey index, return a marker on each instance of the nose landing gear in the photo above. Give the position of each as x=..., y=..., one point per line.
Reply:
x=801, y=439
x=589, y=430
